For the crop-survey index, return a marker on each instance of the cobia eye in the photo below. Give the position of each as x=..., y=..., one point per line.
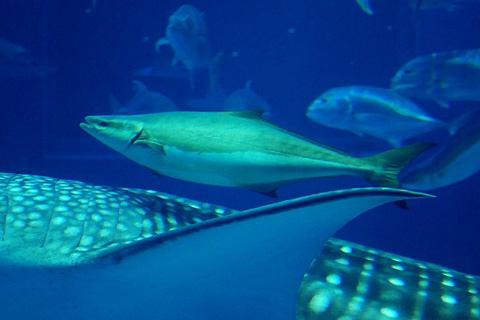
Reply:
x=103, y=124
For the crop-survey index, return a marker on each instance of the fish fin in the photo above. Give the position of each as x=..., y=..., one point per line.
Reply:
x=176, y=60
x=358, y=133
x=139, y=87
x=155, y=173
x=161, y=42
x=160, y=148
x=269, y=190
x=390, y=163
x=365, y=6
x=115, y=105
x=214, y=72
x=461, y=121
x=270, y=193
x=248, y=114
x=443, y=103
x=395, y=143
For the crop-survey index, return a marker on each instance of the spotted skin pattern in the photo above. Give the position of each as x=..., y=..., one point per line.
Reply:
x=62, y=223
x=350, y=281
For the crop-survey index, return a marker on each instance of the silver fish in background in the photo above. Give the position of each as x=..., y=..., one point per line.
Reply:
x=10, y=52
x=442, y=77
x=455, y=161
x=379, y=112
x=237, y=149
x=351, y=281
x=247, y=99
x=18, y=62
x=72, y=250
x=187, y=35
x=144, y=101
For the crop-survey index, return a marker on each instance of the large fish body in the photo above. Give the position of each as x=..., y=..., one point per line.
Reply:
x=187, y=35
x=375, y=111
x=351, y=281
x=236, y=149
x=144, y=101
x=442, y=77
x=453, y=162
x=72, y=250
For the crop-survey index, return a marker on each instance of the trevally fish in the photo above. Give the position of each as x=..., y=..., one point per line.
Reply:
x=187, y=35
x=351, y=281
x=72, y=250
x=453, y=162
x=442, y=77
x=144, y=101
x=237, y=149
x=379, y=112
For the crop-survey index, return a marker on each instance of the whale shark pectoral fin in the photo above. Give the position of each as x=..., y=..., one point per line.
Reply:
x=255, y=258
x=151, y=144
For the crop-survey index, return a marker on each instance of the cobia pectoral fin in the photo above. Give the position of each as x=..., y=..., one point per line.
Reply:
x=153, y=145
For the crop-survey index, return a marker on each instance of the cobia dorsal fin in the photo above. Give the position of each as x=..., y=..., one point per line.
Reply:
x=249, y=114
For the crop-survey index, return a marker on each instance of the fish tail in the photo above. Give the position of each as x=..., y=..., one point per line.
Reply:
x=389, y=164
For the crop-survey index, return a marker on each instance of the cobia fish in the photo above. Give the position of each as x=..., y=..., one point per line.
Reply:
x=237, y=149
x=379, y=112
x=442, y=77
x=73, y=250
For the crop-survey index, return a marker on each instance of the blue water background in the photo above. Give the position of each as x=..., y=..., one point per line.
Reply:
x=291, y=50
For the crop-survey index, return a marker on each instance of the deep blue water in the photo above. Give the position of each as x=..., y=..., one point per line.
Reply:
x=330, y=43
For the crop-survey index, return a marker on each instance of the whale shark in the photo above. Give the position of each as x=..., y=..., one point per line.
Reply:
x=352, y=281
x=75, y=250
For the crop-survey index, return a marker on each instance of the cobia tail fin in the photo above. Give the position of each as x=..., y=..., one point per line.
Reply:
x=389, y=164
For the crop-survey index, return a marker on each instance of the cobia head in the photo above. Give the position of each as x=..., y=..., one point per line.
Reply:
x=117, y=132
